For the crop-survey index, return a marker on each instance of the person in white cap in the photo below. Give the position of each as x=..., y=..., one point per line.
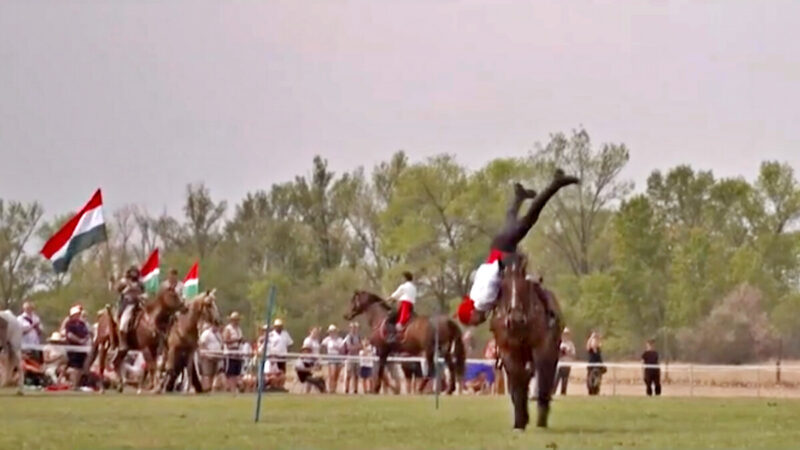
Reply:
x=233, y=337
x=279, y=342
x=333, y=345
x=567, y=350
x=54, y=356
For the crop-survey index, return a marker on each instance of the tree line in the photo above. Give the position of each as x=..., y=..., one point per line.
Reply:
x=707, y=266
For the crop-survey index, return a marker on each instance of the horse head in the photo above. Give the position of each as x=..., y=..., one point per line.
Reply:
x=360, y=301
x=170, y=300
x=515, y=292
x=205, y=306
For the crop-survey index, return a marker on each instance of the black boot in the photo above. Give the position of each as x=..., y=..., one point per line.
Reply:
x=391, y=332
x=563, y=179
x=521, y=192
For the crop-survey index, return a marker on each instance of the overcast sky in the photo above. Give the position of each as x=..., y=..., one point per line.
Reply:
x=142, y=97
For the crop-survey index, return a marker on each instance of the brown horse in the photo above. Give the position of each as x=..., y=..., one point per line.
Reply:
x=149, y=331
x=183, y=337
x=419, y=338
x=528, y=337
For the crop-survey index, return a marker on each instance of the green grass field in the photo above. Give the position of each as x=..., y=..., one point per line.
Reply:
x=39, y=421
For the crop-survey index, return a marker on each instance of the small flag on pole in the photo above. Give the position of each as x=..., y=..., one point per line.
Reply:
x=191, y=283
x=150, y=273
x=84, y=230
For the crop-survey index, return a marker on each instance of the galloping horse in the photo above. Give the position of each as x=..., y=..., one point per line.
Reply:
x=183, y=337
x=148, y=332
x=419, y=338
x=528, y=338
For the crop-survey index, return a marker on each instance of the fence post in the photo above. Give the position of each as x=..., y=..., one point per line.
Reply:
x=614, y=380
x=691, y=380
x=758, y=382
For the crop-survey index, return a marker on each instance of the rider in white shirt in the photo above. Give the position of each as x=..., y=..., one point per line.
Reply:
x=406, y=295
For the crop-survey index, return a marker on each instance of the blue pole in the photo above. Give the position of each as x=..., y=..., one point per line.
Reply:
x=263, y=359
x=436, y=356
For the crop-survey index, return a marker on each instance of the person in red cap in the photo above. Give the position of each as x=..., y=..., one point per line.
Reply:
x=486, y=283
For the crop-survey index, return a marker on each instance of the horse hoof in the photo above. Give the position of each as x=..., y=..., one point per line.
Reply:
x=20, y=393
x=518, y=429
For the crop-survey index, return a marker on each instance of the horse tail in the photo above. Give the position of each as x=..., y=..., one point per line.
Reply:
x=458, y=349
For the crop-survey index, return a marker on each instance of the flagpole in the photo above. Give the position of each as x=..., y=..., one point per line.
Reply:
x=263, y=359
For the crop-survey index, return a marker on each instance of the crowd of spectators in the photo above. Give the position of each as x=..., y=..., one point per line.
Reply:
x=228, y=361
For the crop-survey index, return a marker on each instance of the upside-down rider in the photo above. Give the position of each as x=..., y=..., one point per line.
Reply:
x=131, y=290
x=406, y=295
x=486, y=284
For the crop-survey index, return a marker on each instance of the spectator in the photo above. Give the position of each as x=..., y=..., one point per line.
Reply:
x=211, y=347
x=469, y=342
x=31, y=331
x=596, y=369
x=304, y=367
x=134, y=367
x=652, y=375
x=312, y=341
x=173, y=282
x=232, y=337
x=352, y=347
x=567, y=350
x=490, y=352
x=279, y=343
x=333, y=345
x=365, y=363
x=77, y=333
x=55, y=358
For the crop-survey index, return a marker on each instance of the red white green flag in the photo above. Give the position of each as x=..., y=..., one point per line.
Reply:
x=191, y=284
x=150, y=273
x=84, y=230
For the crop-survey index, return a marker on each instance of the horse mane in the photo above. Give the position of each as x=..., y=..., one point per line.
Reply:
x=376, y=299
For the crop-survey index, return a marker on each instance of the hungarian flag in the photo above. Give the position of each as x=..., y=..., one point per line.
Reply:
x=150, y=272
x=191, y=283
x=79, y=233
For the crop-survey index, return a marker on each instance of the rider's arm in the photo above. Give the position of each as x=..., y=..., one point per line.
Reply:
x=397, y=293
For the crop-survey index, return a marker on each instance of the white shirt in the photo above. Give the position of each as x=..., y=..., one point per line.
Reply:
x=365, y=356
x=567, y=349
x=279, y=343
x=211, y=341
x=485, y=286
x=406, y=292
x=30, y=336
x=313, y=344
x=333, y=345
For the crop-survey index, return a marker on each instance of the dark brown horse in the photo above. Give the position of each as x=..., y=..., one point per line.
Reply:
x=528, y=338
x=148, y=333
x=419, y=338
x=183, y=337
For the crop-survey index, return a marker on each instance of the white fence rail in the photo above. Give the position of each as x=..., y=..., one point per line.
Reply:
x=621, y=378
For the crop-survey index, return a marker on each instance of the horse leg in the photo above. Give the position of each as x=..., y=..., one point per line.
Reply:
x=15, y=354
x=545, y=378
x=384, y=353
x=194, y=377
x=118, y=359
x=451, y=367
x=431, y=371
x=518, y=380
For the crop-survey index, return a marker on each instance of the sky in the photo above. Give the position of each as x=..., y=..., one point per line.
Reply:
x=142, y=97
